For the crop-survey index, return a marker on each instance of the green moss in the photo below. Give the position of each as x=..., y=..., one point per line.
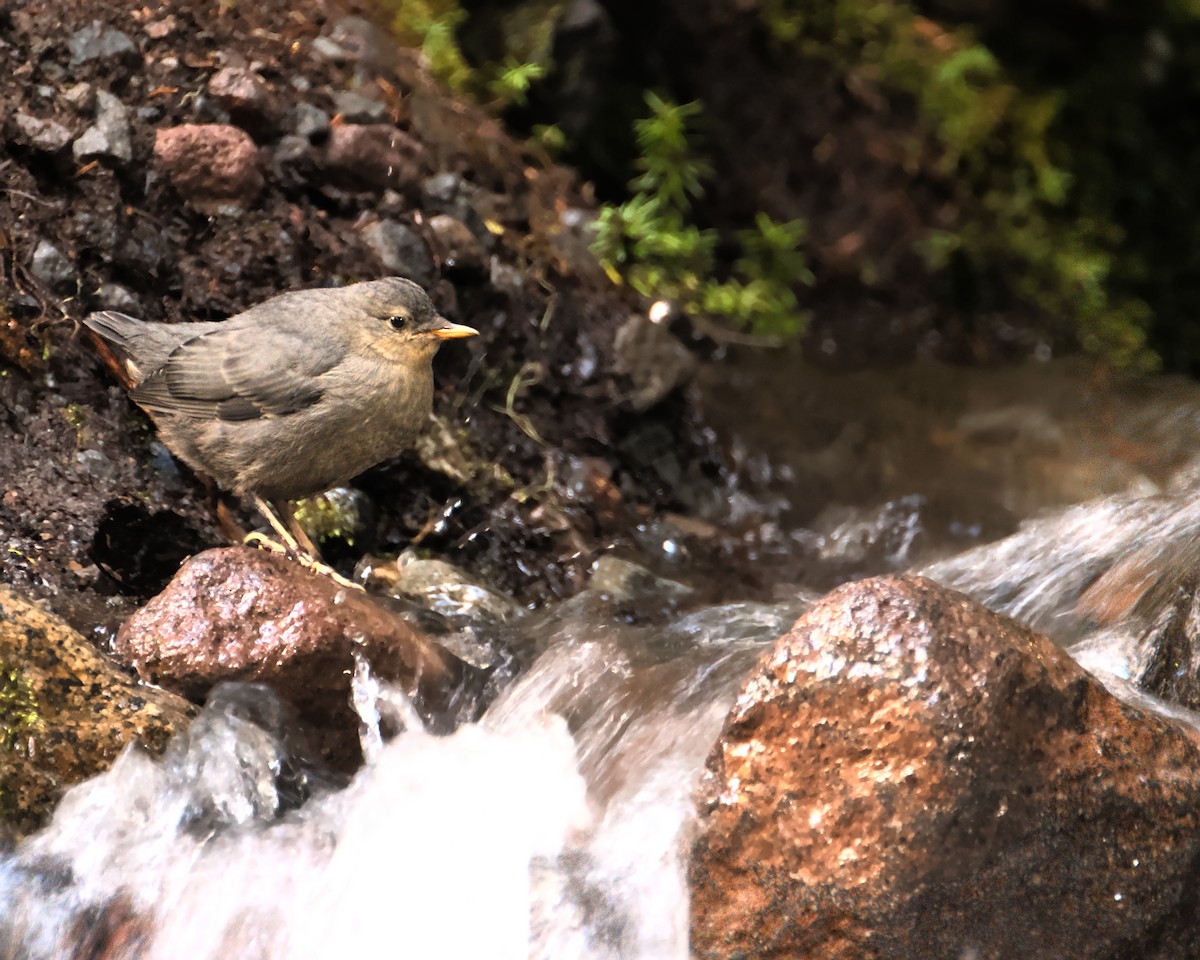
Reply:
x=19, y=716
x=650, y=242
x=1020, y=237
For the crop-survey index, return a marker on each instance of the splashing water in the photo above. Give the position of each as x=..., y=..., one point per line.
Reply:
x=555, y=827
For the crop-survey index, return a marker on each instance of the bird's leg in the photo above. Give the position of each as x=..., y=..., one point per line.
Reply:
x=295, y=542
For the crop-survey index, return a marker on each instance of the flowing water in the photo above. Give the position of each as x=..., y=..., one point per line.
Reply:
x=557, y=826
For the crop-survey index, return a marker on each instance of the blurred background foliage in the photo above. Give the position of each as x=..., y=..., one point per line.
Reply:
x=985, y=173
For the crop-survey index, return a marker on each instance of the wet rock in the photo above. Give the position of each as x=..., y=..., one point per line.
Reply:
x=443, y=588
x=374, y=155
x=293, y=160
x=654, y=359
x=108, y=137
x=341, y=513
x=625, y=580
x=66, y=711
x=243, y=614
x=45, y=135
x=243, y=93
x=353, y=107
x=98, y=41
x=309, y=121
x=400, y=251
x=909, y=775
x=214, y=166
x=441, y=188
x=51, y=266
x=456, y=246
x=359, y=39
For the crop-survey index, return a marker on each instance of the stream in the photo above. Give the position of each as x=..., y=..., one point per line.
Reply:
x=557, y=825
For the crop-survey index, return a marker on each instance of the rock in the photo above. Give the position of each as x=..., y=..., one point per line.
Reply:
x=66, y=711
x=51, y=266
x=355, y=108
x=456, y=246
x=113, y=296
x=400, y=251
x=81, y=97
x=243, y=93
x=329, y=50
x=98, y=41
x=47, y=136
x=309, y=121
x=654, y=358
x=242, y=614
x=907, y=775
x=213, y=166
x=375, y=155
x=625, y=580
x=108, y=137
x=443, y=588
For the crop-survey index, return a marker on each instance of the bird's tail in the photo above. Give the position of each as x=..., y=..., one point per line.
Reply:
x=114, y=335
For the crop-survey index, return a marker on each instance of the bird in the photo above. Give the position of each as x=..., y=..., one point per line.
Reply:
x=293, y=396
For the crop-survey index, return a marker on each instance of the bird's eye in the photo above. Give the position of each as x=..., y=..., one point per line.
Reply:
x=398, y=322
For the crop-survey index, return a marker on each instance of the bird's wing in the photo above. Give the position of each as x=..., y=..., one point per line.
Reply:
x=238, y=372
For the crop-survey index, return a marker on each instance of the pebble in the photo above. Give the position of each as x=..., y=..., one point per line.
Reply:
x=109, y=135
x=81, y=96
x=309, y=121
x=113, y=296
x=239, y=89
x=400, y=251
x=213, y=165
x=326, y=48
x=51, y=266
x=456, y=244
x=375, y=155
x=45, y=135
x=98, y=41
x=355, y=108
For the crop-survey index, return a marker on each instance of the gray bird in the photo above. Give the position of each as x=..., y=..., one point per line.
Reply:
x=293, y=396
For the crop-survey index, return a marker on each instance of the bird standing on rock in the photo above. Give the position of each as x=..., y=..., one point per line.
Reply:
x=291, y=397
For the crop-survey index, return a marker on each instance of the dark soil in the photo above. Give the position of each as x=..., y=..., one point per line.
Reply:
x=95, y=514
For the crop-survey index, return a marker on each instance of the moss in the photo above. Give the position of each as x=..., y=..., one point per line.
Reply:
x=19, y=715
x=1020, y=237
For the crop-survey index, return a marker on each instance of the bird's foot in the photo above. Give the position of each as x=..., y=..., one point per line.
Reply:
x=303, y=553
x=302, y=557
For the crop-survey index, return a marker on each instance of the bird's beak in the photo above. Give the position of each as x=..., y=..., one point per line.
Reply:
x=453, y=331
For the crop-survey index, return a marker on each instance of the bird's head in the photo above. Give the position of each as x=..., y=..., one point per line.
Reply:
x=401, y=321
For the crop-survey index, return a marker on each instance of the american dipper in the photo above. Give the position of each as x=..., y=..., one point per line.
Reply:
x=293, y=396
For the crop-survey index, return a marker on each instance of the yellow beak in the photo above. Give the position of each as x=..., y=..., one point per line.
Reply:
x=454, y=331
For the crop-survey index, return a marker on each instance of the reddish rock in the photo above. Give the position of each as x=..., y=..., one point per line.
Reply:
x=212, y=165
x=242, y=614
x=374, y=155
x=908, y=775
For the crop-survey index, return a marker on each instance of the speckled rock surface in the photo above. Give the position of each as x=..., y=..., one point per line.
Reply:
x=66, y=711
x=907, y=775
x=243, y=614
x=212, y=165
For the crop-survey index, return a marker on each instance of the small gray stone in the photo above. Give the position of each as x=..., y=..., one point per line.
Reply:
x=654, y=358
x=626, y=580
x=445, y=589
x=98, y=41
x=81, y=96
x=400, y=250
x=113, y=296
x=331, y=51
x=45, y=135
x=237, y=88
x=109, y=135
x=355, y=108
x=309, y=121
x=291, y=150
x=51, y=266
x=441, y=187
